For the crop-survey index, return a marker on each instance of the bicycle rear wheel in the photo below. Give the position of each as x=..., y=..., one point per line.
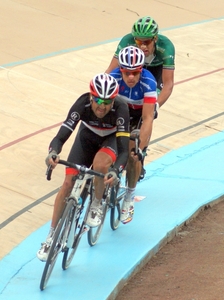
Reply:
x=117, y=196
x=114, y=210
x=80, y=228
x=59, y=241
x=94, y=232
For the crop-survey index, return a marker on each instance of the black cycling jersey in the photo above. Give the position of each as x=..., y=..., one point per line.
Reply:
x=115, y=122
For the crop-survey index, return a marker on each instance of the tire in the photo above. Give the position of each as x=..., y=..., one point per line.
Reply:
x=70, y=252
x=79, y=230
x=94, y=233
x=59, y=239
x=117, y=195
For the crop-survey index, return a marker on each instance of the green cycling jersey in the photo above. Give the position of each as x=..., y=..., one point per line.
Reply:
x=164, y=53
x=162, y=58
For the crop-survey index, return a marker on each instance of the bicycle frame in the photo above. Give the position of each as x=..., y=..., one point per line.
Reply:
x=76, y=197
x=68, y=232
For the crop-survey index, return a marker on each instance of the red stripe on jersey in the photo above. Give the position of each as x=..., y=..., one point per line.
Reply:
x=149, y=100
x=71, y=171
x=135, y=106
x=110, y=152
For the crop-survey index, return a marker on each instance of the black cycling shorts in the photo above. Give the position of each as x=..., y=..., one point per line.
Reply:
x=87, y=144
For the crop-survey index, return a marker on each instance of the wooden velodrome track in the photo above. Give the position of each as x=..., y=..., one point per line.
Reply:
x=49, y=53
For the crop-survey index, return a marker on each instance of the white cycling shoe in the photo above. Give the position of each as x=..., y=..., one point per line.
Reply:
x=42, y=254
x=127, y=211
x=94, y=217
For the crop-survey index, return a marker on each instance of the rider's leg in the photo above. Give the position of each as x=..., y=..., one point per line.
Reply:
x=104, y=158
x=133, y=170
x=59, y=203
x=102, y=163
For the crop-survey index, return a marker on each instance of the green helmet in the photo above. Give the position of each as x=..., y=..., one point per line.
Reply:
x=145, y=27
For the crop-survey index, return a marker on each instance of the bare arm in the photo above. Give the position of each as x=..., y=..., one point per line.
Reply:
x=168, y=83
x=113, y=65
x=146, y=128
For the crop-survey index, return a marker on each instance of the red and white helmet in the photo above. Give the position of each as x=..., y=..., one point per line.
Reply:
x=104, y=86
x=131, y=58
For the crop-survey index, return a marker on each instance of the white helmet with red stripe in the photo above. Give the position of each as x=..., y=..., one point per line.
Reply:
x=131, y=58
x=104, y=86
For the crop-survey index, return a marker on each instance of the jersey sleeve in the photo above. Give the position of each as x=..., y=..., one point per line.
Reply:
x=169, y=55
x=149, y=85
x=150, y=97
x=68, y=126
x=122, y=135
x=127, y=40
x=116, y=74
x=75, y=114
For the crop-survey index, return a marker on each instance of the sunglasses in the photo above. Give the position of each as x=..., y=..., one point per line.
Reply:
x=128, y=73
x=141, y=42
x=102, y=101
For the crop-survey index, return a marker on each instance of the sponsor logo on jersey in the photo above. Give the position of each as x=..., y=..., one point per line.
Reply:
x=120, y=121
x=75, y=116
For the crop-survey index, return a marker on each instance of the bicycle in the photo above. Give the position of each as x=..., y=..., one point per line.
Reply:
x=112, y=202
x=72, y=224
x=116, y=194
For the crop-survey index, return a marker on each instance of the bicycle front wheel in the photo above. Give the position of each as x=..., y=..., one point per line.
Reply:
x=79, y=229
x=94, y=232
x=70, y=252
x=58, y=243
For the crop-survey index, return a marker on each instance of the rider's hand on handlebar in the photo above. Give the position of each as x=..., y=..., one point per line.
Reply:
x=138, y=155
x=156, y=110
x=111, y=178
x=52, y=159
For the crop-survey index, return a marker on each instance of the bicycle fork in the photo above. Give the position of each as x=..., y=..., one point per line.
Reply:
x=75, y=196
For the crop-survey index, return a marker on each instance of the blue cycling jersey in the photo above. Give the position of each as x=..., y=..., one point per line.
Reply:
x=143, y=92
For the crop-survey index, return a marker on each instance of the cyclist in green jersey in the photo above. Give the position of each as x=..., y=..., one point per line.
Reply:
x=159, y=54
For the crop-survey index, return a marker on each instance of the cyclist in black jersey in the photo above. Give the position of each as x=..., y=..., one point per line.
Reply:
x=159, y=54
x=102, y=141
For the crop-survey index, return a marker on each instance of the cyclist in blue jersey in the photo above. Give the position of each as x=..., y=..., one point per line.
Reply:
x=137, y=86
x=159, y=54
